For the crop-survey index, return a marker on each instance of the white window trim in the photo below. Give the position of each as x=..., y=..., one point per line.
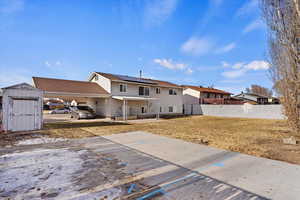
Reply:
x=172, y=109
x=157, y=89
x=173, y=91
x=125, y=86
x=145, y=109
x=144, y=91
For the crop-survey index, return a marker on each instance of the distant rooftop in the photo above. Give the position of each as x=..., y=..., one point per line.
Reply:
x=253, y=94
x=206, y=89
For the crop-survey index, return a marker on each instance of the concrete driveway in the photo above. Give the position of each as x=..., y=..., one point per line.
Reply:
x=229, y=171
x=139, y=165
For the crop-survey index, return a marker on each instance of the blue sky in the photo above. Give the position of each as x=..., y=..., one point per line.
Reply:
x=208, y=42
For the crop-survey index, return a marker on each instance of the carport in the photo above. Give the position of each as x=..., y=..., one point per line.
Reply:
x=85, y=92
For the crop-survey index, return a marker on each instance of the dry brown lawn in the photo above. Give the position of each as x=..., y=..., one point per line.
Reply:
x=257, y=137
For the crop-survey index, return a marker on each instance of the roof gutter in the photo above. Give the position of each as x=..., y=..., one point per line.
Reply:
x=69, y=94
x=154, y=85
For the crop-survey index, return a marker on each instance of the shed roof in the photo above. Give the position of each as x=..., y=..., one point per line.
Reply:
x=67, y=86
x=116, y=77
x=205, y=89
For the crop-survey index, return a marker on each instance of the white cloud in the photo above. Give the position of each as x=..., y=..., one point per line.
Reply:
x=254, y=25
x=158, y=11
x=168, y=63
x=238, y=65
x=54, y=64
x=257, y=65
x=249, y=7
x=189, y=71
x=225, y=64
x=47, y=64
x=234, y=73
x=240, y=69
x=197, y=46
x=11, y=6
x=226, y=48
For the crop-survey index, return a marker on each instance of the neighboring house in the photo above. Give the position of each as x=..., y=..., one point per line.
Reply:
x=116, y=96
x=204, y=95
x=253, y=98
x=138, y=97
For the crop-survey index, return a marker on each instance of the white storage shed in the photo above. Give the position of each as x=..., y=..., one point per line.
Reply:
x=22, y=108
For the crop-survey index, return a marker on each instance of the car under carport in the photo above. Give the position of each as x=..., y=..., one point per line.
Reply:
x=84, y=92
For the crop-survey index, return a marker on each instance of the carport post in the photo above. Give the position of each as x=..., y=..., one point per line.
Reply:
x=158, y=110
x=124, y=110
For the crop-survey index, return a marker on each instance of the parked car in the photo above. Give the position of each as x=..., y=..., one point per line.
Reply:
x=60, y=111
x=83, y=112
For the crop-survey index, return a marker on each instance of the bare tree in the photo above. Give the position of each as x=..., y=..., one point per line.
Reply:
x=283, y=21
x=260, y=90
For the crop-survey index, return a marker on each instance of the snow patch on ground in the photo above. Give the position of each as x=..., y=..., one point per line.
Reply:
x=41, y=140
x=43, y=174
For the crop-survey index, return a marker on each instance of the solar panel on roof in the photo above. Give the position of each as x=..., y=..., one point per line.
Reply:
x=134, y=79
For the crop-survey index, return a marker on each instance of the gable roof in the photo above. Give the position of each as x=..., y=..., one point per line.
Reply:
x=252, y=94
x=20, y=85
x=116, y=77
x=205, y=89
x=67, y=86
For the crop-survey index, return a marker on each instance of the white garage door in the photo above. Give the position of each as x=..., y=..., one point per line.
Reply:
x=24, y=114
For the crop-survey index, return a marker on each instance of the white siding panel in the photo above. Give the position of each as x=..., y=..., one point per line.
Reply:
x=22, y=108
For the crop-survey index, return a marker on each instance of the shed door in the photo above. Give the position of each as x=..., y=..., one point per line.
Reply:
x=24, y=113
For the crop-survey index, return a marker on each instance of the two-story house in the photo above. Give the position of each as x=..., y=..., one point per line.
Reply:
x=133, y=97
x=117, y=96
x=204, y=95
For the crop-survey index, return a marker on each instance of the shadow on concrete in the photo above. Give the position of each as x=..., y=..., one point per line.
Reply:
x=178, y=183
x=59, y=125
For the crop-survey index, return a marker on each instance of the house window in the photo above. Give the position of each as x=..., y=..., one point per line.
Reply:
x=172, y=92
x=96, y=78
x=144, y=110
x=160, y=109
x=170, y=108
x=144, y=91
x=123, y=88
x=157, y=90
